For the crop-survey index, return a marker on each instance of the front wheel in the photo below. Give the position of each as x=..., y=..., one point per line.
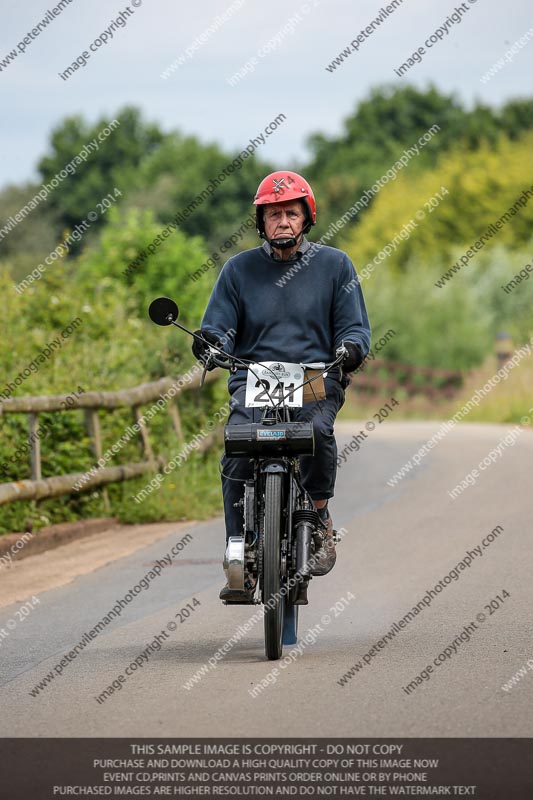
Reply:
x=273, y=601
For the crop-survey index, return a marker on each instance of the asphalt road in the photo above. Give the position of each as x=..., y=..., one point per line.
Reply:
x=400, y=541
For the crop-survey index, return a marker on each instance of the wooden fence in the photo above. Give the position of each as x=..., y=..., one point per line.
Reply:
x=376, y=376
x=379, y=376
x=38, y=488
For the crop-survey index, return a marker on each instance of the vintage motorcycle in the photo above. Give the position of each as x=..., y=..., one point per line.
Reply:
x=282, y=533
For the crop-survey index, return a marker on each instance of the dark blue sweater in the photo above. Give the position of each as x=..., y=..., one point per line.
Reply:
x=305, y=319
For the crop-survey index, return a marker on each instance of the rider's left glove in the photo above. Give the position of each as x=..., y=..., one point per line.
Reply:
x=353, y=359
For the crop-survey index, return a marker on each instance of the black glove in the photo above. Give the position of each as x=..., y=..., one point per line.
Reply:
x=354, y=357
x=201, y=349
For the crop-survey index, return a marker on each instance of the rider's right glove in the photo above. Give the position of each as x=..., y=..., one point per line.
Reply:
x=354, y=357
x=201, y=349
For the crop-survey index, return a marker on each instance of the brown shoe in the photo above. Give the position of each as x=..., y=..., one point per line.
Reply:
x=325, y=557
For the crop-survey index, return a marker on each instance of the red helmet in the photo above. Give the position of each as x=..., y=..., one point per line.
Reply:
x=278, y=187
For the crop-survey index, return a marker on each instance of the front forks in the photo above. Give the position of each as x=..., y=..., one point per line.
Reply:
x=244, y=554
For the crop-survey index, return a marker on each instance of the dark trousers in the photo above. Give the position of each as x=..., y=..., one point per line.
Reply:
x=318, y=472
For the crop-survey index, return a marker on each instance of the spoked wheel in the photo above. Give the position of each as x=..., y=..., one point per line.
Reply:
x=274, y=603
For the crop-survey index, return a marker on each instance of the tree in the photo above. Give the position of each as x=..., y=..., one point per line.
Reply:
x=129, y=253
x=390, y=121
x=481, y=186
x=31, y=239
x=114, y=164
x=516, y=117
x=182, y=168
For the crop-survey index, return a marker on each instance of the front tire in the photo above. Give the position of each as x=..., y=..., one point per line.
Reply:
x=290, y=622
x=273, y=601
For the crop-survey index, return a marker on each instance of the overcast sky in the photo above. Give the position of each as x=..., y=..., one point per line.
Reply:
x=291, y=79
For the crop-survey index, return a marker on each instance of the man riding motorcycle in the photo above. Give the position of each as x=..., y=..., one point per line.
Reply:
x=302, y=319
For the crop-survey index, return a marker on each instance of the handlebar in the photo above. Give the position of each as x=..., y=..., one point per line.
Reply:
x=230, y=362
x=224, y=363
x=164, y=311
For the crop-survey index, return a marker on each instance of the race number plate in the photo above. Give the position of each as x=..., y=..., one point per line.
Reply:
x=271, y=381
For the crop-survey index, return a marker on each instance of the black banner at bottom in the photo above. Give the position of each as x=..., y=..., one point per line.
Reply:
x=485, y=769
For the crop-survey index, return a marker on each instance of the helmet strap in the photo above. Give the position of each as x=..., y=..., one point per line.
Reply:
x=286, y=243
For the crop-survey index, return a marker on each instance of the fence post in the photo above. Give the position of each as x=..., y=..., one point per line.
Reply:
x=35, y=447
x=92, y=421
x=176, y=421
x=143, y=433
